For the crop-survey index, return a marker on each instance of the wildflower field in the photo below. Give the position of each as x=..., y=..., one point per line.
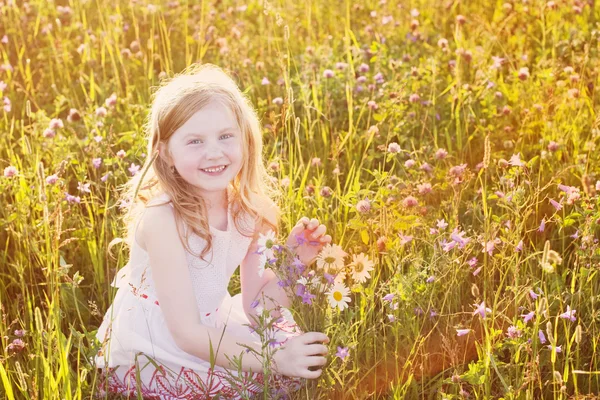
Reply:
x=450, y=147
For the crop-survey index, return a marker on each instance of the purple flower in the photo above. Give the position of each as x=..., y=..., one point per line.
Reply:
x=16, y=345
x=462, y=332
x=300, y=238
x=447, y=246
x=330, y=278
x=52, y=179
x=542, y=225
x=307, y=297
x=297, y=263
x=426, y=167
x=556, y=204
x=533, y=294
x=513, y=332
x=274, y=342
x=72, y=199
x=457, y=237
x=404, y=238
x=472, y=262
x=83, y=187
x=569, y=314
x=254, y=304
x=519, y=246
x=528, y=317
x=96, y=162
x=516, y=160
x=542, y=337
x=441, y=224
x=105, y=177
x=490, y=245
x=342, y=352
x=10, y=171
x=133, y=169
x=389, y=297
x=481, y=309
x=300, y=289
x=557, y=348
x=567, y=189
x=430, y=279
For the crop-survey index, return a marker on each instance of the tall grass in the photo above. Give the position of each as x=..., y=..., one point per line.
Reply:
x=338, y=133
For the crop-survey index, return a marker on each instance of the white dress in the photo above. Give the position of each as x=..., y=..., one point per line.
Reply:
x=135, y=338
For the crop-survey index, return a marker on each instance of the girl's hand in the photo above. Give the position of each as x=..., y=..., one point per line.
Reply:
x=301, y=352
x=308, y=238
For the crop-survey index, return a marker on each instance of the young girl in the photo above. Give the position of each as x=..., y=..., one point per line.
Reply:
x=196, y=212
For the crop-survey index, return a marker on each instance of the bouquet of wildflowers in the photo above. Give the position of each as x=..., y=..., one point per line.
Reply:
x=313, y=275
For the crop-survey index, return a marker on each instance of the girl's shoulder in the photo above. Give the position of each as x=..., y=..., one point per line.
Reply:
x=158, y=211
x=159, y=200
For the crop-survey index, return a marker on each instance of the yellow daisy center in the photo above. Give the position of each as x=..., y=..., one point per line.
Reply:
x=337, y=296
x=358, y=267
x=269, y=243
x=329, y=260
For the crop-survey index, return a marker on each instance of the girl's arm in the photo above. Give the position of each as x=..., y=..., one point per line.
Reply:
x=176, y=297
x=254, y=286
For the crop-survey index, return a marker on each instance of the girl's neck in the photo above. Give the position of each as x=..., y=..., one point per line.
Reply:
x=216, y=200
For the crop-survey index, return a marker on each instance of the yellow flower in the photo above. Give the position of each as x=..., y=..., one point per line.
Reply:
x=361, y=265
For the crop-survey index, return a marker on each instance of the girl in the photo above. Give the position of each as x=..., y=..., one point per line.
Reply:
x=204, y=198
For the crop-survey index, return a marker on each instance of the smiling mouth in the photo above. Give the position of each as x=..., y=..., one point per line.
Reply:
x=215, y=169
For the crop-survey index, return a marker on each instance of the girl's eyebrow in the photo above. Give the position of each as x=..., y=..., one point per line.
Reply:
x=195, y=134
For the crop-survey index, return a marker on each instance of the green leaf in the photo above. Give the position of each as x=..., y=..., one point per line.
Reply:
x=364, y=235
x=568, y=222
x=405, y=222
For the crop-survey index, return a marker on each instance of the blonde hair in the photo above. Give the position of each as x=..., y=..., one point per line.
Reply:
x=175, y=101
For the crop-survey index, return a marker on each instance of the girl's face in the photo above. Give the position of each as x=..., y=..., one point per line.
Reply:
x=211, y=140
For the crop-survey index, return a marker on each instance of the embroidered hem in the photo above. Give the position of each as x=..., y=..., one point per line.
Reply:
x=189, y=385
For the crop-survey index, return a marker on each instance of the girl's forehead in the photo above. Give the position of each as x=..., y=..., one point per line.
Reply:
x=212, y=119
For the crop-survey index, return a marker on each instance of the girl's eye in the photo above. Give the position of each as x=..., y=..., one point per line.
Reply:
x=195, y=141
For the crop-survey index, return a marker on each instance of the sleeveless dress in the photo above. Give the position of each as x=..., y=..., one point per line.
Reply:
x=136, y=342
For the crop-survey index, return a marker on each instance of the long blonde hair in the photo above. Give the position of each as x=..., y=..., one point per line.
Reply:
x=174, y=102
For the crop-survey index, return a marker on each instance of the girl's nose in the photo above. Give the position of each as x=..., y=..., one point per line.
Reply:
x=214, y=151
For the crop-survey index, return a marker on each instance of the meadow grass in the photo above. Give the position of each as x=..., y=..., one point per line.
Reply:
x=452, y=143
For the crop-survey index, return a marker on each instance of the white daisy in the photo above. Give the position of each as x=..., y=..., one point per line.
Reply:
x=266, y=242
x=303, y=281
x=361, y=265
x=338, y=296
x=339, y=273
x=332, y=255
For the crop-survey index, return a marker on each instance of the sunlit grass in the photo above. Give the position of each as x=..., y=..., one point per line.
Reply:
x=356, y=100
